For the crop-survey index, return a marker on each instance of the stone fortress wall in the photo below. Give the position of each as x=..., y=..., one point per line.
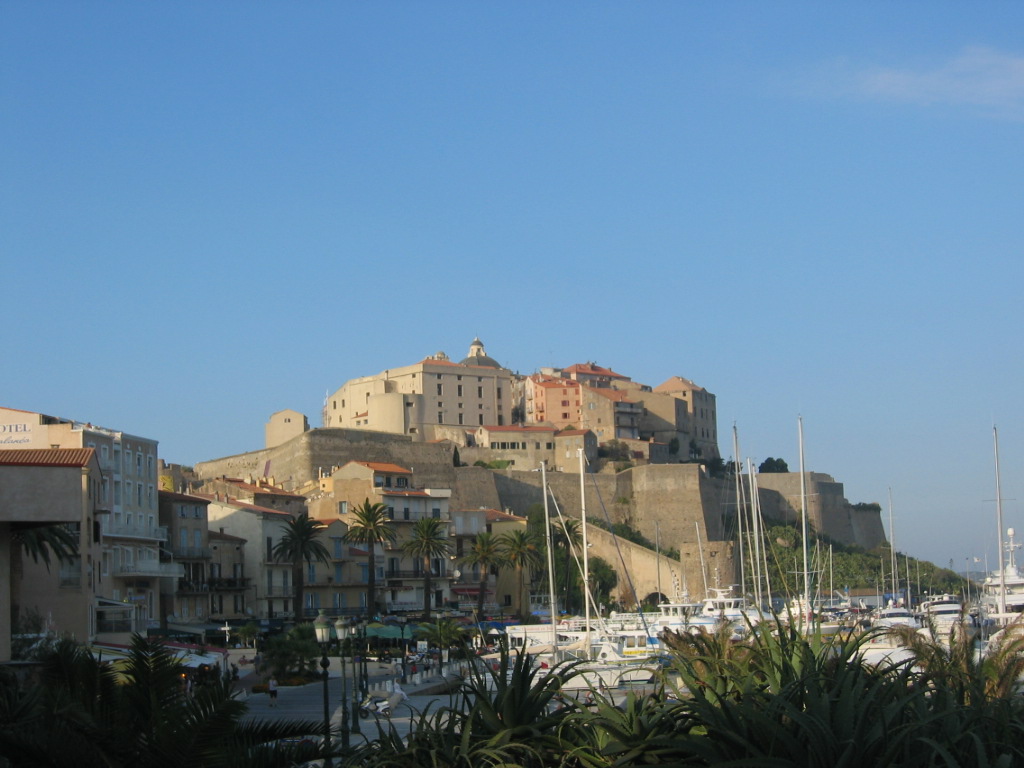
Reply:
x=678, y=504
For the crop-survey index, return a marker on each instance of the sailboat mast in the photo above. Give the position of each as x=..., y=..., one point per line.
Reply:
x=739, y=506
x=586, y=552
x=657, y=545
x=803, y=517
x=999, y=523
x=892, y=553
x=700, y=551
x=552, y=607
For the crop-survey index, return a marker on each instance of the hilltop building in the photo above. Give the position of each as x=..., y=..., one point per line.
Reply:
x=417, y=398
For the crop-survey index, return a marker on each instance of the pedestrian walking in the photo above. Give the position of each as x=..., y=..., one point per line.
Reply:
x=272, y=690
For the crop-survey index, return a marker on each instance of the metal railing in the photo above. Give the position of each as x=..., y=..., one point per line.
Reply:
x=150, y=568
x=135, y=531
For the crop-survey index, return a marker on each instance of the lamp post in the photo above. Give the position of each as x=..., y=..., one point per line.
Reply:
x=364, y=681
x=403, y=622
x=355, y=678
x=341, y=628
x=322, y=627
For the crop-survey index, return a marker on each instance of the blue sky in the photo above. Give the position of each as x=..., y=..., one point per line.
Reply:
x=213, y=211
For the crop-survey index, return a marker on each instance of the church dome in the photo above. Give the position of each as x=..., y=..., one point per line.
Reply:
x=478, y=356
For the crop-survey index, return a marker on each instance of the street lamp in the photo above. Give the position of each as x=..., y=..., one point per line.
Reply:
x=342, y=629
x=355, y=677
x=403, y=622
x=322, y=627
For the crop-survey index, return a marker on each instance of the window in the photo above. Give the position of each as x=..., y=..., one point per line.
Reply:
x=337, y=573
x=461, y=419
x=138, y=463
x=459, y=389
x=342, y=507
x=499, y=393
x=311, y=574
x=440, y=417
x=184, y=538
x=197, y=538
x=481, y=419
x=339, y=547
x=270, y=555
x=565, y=403
x=436, y=513
x=402, y=482
x=479, y=391
x=440, y=389
x=139, y=493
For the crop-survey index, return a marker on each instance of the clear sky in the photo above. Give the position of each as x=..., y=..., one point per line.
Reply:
x=213, y=211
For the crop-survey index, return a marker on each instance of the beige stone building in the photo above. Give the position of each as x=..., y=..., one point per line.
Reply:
x=260, y=528
x=553, y=400
x=131, y=537
x=230, y=584
x=701, y=416
x=399, y=579
x=54, y=486
x=414, y=399
x=611, y=414
x=283, y=426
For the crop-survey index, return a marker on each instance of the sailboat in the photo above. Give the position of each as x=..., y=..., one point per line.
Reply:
x=1002, y=599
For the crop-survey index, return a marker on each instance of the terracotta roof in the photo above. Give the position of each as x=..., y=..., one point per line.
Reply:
x=225, y=536
x=381, y=466
x=497, y=516
x=175, y=496
x=516, y=428
x=559, y=383
x=677, y=384
x=48, y=457
x=618, y=395
x=270, y=490
x=594, y=370
x=244, y=505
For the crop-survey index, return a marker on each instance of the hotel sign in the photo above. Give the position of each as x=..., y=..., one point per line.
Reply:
x=15, y=434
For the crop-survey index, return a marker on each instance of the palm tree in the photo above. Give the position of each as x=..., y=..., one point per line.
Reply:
x=79, y=710
x=484, y=553
x=300, y=543
x=429, y=540
x=370, y=526
x=567, y=533
x=522, y=551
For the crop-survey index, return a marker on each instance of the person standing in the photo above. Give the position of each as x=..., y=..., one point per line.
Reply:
x=272, y=690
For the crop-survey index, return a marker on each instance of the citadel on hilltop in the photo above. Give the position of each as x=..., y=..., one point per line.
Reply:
x=182, y=551
x=438, y=398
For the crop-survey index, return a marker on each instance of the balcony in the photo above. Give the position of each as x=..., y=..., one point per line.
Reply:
x=185, y=586
x=397, y=574
x=191, y=553
x=150, y=568
x=221, y=585
x=134, y=531
x=277, y=592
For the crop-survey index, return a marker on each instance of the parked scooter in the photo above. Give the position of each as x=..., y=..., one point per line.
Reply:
x=377, y=705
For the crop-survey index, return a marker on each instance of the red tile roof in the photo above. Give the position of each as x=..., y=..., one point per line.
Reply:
x=381, y=466
x=48, y=457
x=594, y=370
x=618, y=395
x=516, y=428
x=244, y=505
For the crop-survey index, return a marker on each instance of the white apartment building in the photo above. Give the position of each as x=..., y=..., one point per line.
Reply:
x=131, y=539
